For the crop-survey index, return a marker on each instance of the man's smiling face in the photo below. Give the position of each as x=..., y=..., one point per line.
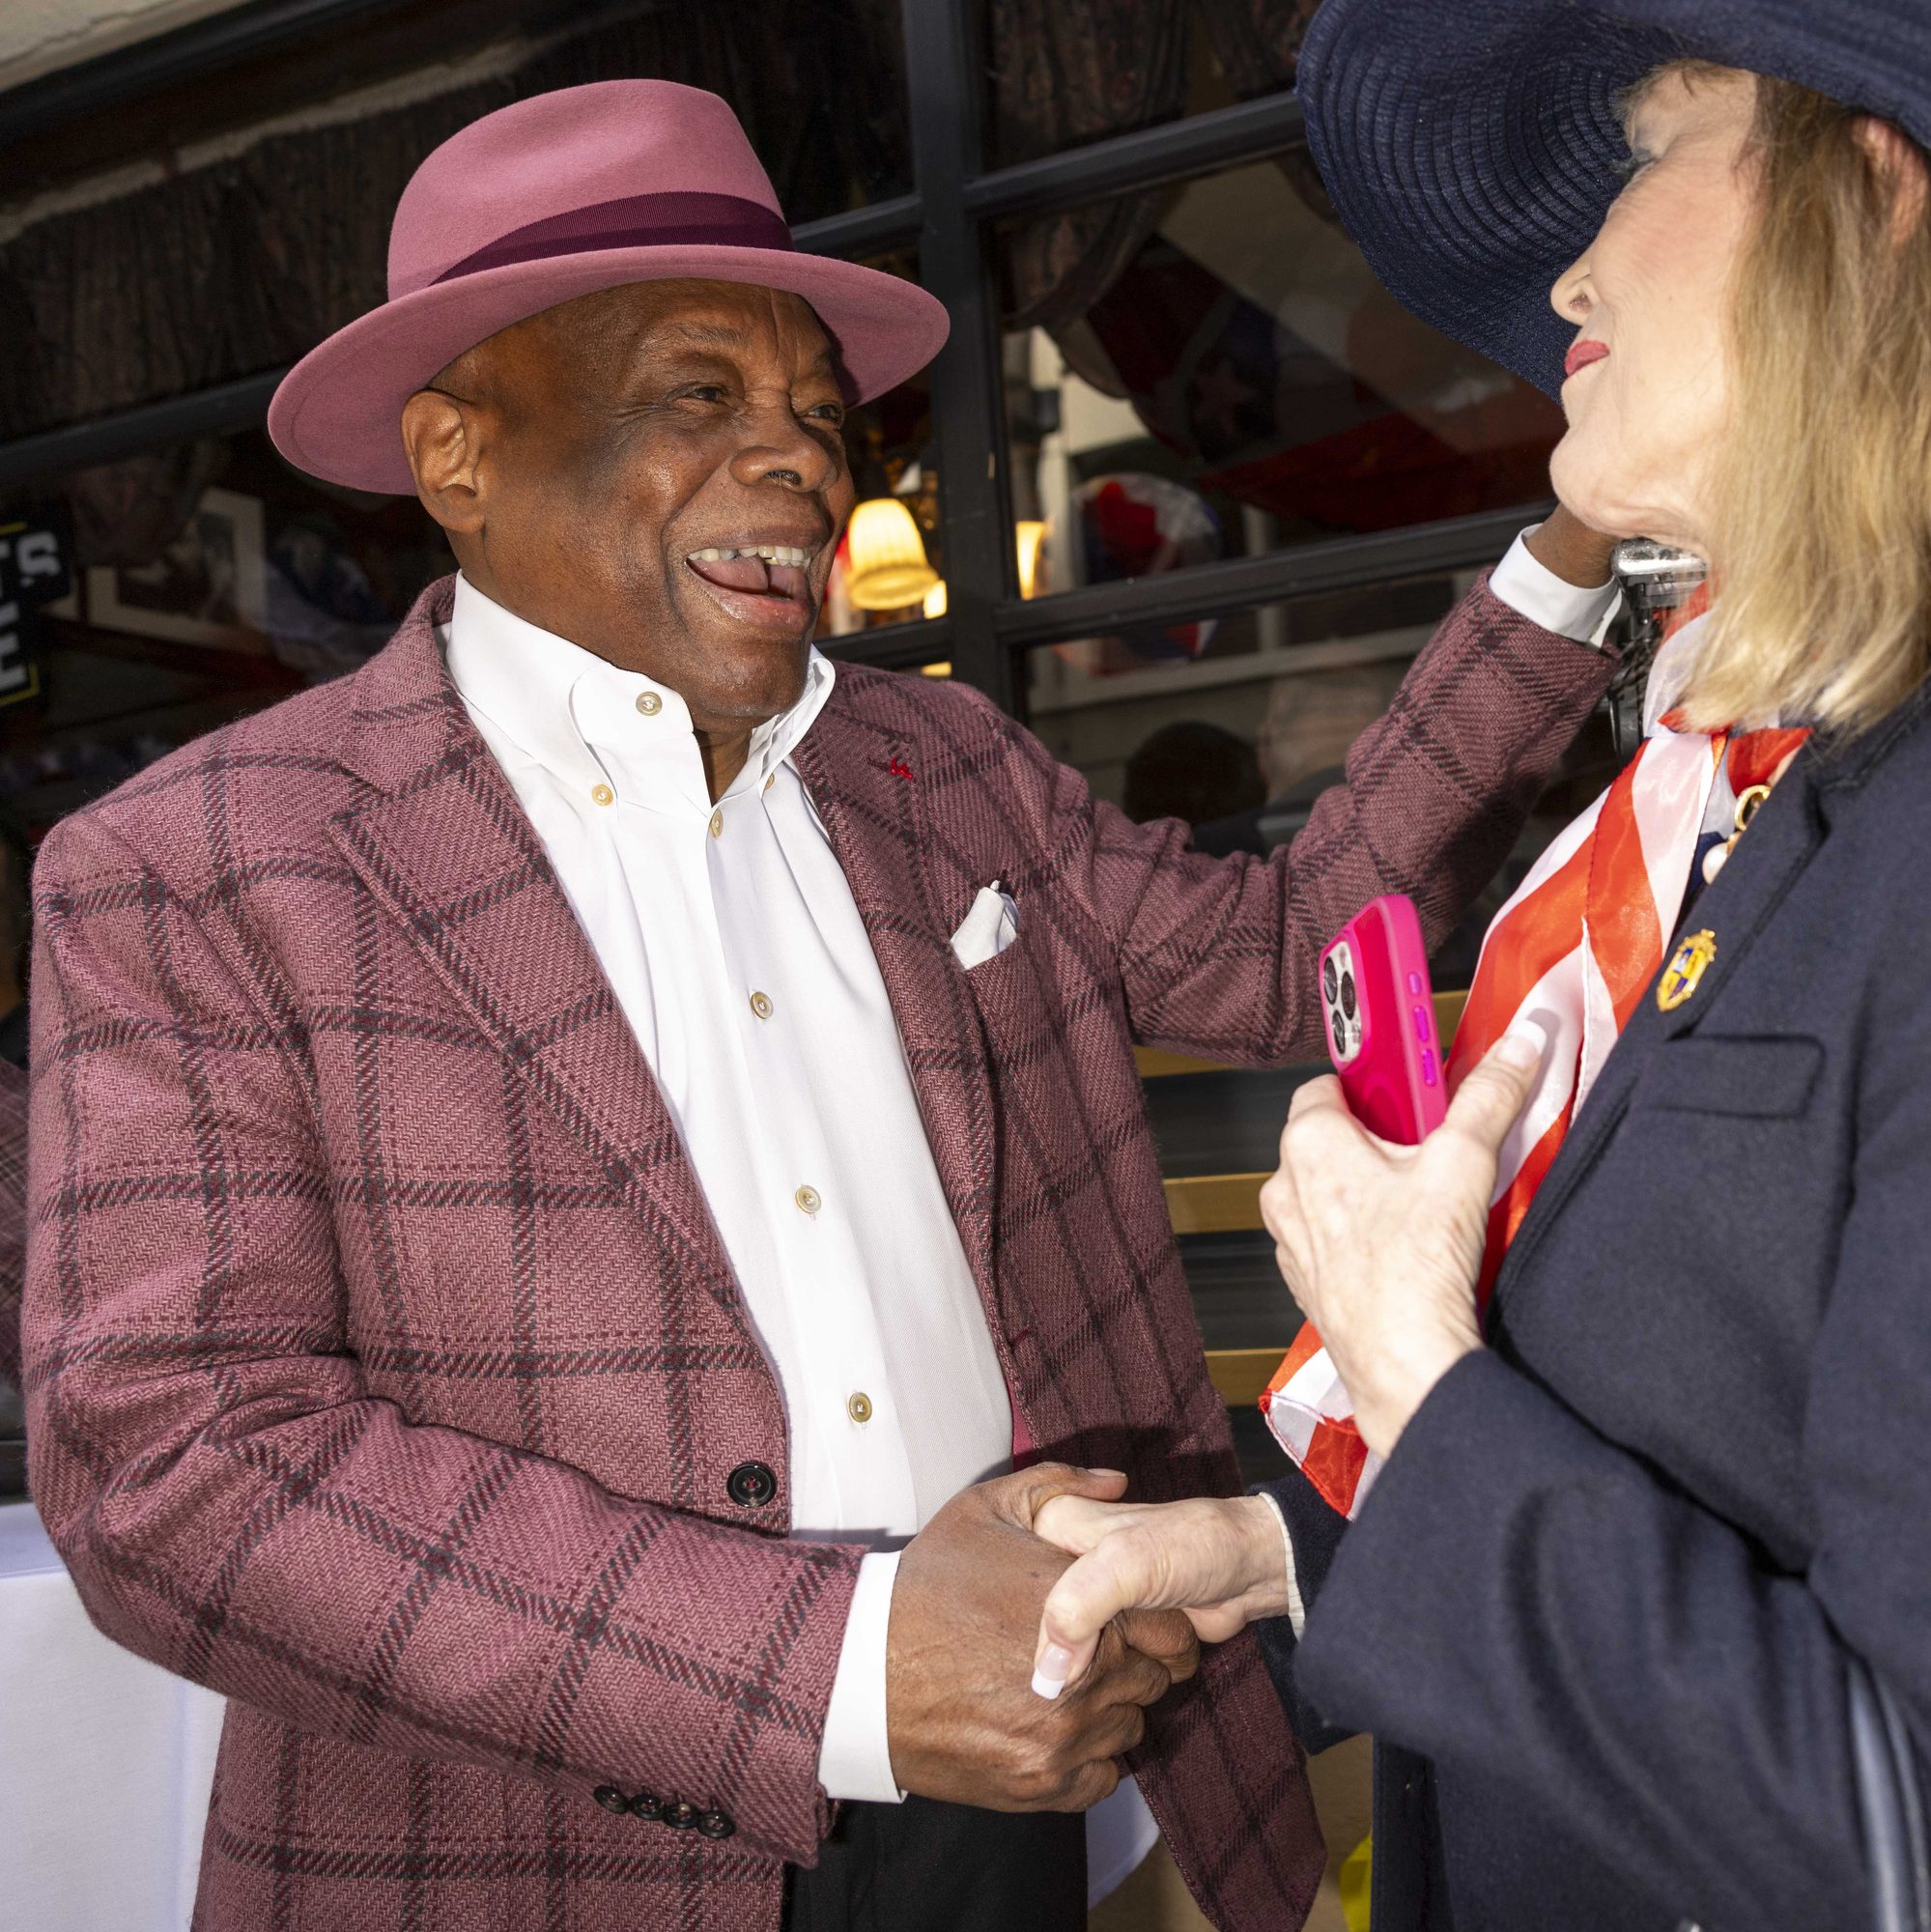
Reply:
x=656, y=472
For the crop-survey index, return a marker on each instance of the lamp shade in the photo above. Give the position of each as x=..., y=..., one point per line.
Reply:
x=935, y=599
x=888, y=567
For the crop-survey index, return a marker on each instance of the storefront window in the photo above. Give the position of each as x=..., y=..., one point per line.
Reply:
x=1211, y=370
x=1061, y=76
x=891, y=563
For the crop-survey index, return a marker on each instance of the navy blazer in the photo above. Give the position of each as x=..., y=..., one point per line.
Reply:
x=1602, y=1595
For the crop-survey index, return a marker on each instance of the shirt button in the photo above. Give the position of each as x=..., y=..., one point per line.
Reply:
x=859, y=1408
x=603, y=794
x=718, y=823
x=761, y=1004
x=771, y=780
x=809, y=1199
x=649, y=703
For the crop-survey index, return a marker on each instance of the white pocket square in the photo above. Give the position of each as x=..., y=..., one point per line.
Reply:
x=989, y=929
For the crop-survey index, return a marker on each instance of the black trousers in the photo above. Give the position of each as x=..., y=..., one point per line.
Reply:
x=922, y=1866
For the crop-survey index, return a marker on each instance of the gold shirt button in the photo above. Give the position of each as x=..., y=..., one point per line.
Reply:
x=603, y=794
x=771, y=780
x=809, y=1199
x=649, y=703
x=718, y=823
x=859, y=1408
x=761, y=1004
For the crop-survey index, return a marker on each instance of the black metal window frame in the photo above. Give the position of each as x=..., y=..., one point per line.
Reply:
x=949, y=216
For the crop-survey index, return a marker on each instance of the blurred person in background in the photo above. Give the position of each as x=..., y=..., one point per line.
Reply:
x=1310, y=721
x=1190, y=771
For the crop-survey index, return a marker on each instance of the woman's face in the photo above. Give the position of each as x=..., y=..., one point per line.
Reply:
x=1647, y=386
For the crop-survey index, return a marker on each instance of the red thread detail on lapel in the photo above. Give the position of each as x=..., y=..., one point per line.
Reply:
x=899, y=768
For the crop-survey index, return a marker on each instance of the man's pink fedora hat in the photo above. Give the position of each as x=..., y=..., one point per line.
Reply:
x=623, y=181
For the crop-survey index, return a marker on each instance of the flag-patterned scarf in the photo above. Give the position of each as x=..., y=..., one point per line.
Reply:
x=1577, y=947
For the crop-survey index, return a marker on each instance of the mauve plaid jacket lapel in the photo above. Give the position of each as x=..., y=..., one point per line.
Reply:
x=447, y=851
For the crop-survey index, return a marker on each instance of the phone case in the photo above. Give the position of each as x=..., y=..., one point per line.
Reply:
x=1381, y=1022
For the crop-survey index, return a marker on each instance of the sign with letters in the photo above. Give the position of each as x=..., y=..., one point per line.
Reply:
x=35, y=570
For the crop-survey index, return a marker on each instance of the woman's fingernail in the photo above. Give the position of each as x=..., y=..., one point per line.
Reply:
x=1520, y=1049
x=1525, y=1043
x=1049, y=1674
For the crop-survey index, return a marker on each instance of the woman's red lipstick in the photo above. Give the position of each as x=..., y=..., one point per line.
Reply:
x=1582, y=355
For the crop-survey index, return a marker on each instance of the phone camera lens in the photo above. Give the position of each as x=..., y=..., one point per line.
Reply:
x=1348, y=995
x=1328, y=980
x=1340, y=1032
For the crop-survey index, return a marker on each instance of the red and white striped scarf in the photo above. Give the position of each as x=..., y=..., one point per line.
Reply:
x=1577, y=947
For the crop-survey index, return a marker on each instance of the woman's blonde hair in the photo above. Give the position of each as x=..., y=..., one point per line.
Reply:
x=1822, y=490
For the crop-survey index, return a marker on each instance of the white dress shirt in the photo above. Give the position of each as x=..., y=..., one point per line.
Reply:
x=731, y=940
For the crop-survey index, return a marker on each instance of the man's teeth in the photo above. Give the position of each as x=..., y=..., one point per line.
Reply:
x=787, y=554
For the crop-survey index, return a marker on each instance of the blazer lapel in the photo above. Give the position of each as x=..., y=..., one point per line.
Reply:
x=867, y=783
x=443, y=846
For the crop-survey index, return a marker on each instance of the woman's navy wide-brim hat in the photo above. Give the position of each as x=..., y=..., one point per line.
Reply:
x=1472, y=146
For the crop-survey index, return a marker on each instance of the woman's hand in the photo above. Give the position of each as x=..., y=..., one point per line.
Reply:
x=1222, y=1560
x=1382, y=1245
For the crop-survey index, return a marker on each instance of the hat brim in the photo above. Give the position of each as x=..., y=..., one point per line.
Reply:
x=337, y=414
x=1472, y=146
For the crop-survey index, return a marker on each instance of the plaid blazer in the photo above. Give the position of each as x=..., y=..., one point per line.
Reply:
x=385, y=1369
x=13, y=1221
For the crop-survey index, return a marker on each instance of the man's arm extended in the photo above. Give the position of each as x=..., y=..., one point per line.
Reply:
x=1217, y=956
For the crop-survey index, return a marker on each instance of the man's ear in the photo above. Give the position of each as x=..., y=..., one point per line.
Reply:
x=442, y=435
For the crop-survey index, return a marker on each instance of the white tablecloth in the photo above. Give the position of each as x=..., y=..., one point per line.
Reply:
x=105, y=1762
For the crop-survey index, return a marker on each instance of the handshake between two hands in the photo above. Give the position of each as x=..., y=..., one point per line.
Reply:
x=1103, y=1603
x=1046, y=1573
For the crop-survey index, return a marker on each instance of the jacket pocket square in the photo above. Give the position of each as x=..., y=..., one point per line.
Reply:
x=989, y=929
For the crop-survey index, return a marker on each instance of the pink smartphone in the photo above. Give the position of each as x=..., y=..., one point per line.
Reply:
x=1381, y=1022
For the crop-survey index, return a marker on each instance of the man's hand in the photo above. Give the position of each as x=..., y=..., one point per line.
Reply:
x=1577, y=553
x=962, y=1722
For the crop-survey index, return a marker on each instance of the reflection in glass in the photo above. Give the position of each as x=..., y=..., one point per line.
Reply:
x=1237, y=382
x=890, y=447
x=1061, y=75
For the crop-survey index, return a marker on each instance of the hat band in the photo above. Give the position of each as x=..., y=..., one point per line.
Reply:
x=638, y=221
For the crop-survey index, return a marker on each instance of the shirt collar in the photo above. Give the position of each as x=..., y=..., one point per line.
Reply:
x=579, y=717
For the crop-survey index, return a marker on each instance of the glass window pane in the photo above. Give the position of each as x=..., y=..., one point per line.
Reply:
x=890, y=562
x=208, y=580
x=1211, y=370
x=1235, y=725
x=1064, y=74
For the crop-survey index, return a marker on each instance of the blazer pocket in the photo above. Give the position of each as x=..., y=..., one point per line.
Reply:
x=1768, y=1078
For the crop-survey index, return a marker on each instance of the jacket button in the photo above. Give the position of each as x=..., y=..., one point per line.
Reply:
x=646, y=1804
x=715, y=1824
x=611, y=1798
x=680, y=1814
x=750, y=1485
